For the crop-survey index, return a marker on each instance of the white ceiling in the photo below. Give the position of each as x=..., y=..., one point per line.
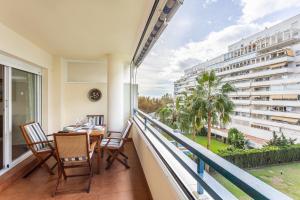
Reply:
x=78, y=29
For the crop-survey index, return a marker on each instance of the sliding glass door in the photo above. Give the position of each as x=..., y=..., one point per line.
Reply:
x=20, y=102
x=23, y=107
x=1, y=116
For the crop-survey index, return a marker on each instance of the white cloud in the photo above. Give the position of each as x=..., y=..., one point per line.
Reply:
x=215, y=43
x=208, y=2
x=256, y=9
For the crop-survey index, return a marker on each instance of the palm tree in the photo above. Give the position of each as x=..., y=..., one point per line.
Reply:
x=212, y=101
x=189, y=117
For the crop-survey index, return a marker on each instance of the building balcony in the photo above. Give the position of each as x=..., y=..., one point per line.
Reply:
x=268, y=103
x=238, y=94
x=283, y=59
x=276, y=103
x=276, y=82
x=276, y=113
x=241, y=102
x=276, y=124
x=278, y=94
x=267, y=72
x=242, y=85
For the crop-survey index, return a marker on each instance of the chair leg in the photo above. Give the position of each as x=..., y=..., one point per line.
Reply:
x=123, y=162
x=90, y=178
x=122, y=154
x=102, y=152
x=108, y=158
x=113, y=156
x=58, y=180
x=54, y=166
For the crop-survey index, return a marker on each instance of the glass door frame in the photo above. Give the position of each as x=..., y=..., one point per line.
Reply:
x=8, y=163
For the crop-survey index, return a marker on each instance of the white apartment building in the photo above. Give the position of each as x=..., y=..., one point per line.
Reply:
x=265, y=69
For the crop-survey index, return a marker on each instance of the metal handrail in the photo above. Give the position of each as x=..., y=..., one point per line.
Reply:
x=251, y=185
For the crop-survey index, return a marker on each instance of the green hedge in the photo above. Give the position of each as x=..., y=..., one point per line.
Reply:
x=251, y=158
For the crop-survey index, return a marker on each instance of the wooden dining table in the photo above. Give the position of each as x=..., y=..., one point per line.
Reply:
x=95, y=134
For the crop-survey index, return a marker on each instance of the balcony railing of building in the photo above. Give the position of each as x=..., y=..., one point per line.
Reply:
x=159, y=136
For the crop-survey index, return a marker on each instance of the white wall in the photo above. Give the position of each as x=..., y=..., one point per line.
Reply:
x=76, y=104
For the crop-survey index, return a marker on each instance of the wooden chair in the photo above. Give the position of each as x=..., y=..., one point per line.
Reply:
x=114, y=146
x=96, y=120
x=73, y=151
x=37, y=141
x=118, y=134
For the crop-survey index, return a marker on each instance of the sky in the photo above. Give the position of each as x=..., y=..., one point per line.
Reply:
x=201, y=30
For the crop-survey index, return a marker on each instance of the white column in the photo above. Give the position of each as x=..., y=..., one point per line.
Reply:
x=115, y=90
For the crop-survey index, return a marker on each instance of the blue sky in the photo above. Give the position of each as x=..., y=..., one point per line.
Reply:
x=201, y=30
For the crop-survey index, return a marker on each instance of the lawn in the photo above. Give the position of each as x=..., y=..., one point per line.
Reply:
x=288, y=182
x=215, y=144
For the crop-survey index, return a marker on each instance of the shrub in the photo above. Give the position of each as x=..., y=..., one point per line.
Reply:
x=202, y=132
x=236, y=139
x=268, y=155
x=280, y=141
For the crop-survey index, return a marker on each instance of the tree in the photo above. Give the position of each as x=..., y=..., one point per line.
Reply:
x=212, y=101
x=236, y=139
x=150, y=105
x=190, y=118
x=164, y=114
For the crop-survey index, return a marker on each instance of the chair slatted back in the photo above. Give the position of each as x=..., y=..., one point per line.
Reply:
x=72, y=146
x=96, y=120
x=126, y=132
x=33, y=134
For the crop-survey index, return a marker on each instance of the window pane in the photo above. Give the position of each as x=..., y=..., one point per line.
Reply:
x=23, y=107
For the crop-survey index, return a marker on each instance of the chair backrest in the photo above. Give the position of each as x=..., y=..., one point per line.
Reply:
x=97, y=120
x=34, y=133
x=72, y=146
x=126, y=132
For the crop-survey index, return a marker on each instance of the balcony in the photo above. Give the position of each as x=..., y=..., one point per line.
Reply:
x=276, y=103
x=241, y=102
x=267, y=122
x=279, y=60
x=275, y=82
x=258, y=74
x=78, y=46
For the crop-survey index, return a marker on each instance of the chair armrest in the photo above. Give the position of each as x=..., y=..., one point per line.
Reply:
x=114, y=131
x=41, y=142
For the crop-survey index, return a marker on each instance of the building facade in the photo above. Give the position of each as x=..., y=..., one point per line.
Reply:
x=265, y=70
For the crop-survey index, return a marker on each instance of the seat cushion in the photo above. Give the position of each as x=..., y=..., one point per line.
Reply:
x=115, y=143
x=36, y=134
x=72, y=159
